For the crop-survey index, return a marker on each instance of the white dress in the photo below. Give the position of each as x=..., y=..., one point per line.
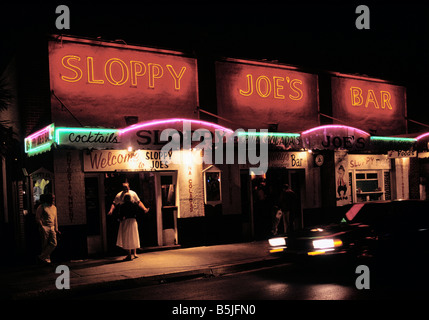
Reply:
x=128, y=234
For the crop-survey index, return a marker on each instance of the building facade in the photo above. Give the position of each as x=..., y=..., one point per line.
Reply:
x=111, y=106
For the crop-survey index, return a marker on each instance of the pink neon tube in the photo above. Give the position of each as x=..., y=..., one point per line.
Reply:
x=422, y=136
x=166, y=121
x=39, y=133
x=334, y=126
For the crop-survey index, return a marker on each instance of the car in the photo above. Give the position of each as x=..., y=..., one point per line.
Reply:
x=370, y=229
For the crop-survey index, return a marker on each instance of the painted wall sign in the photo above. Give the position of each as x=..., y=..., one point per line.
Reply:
x=333, y=137
x=275, y=140
x=342, y=182
x=83, y=138
x=190, y=133
x=95, y=80
x=370, y=105
x=254, y=95
x=402, y=154
x=113, y=160
x=368, y=162
x=289, y=160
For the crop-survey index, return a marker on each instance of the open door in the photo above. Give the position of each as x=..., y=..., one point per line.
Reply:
x=167, y=208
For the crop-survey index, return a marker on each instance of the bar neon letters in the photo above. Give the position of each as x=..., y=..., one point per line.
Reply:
x=357, y=98
x=119, y=72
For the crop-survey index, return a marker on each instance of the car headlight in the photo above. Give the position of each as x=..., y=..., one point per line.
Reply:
x=277, y=242
x=327, y=243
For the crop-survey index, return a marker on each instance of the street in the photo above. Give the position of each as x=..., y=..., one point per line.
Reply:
x=287, y=281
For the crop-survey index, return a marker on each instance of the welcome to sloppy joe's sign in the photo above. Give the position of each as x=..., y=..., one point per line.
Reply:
x=145, y=160
x=96, y=79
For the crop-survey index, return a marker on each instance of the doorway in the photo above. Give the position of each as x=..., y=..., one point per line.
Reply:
x=157, y=191
x=166, y=186
x=265, y=195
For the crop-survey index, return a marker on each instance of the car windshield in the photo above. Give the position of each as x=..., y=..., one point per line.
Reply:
x=370, y=212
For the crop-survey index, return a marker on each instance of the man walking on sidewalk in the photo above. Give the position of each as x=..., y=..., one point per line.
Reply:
x=46, y=218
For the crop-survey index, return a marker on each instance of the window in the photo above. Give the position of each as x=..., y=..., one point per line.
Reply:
x=369, y=185
x=212, y=187
x=367, y=182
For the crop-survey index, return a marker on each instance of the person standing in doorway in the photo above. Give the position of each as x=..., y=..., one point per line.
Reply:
x=128, y=233
x=127, y=228
x=286, y=210
x=46, y=218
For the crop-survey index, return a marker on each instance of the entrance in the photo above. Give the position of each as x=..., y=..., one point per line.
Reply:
x=265, y=195
x=157, y=191
x=167, y=212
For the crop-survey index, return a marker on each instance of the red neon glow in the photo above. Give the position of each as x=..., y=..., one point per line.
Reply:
x=357, y=98
x=98, y=80
x=370, y=105
x=335, y=126
x=117, y=72
x=167, y=121
x=255, y=95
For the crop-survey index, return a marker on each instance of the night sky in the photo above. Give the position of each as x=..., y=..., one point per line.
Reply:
x=318, y=36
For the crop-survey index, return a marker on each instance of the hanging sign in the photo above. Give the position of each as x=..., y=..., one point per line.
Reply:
x=402, y=154
x=40, y=141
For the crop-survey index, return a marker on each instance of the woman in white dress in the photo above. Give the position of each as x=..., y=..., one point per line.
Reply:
x=128, y=233
x=128, y=203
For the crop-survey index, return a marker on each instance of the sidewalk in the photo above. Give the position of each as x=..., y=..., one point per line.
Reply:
x=95, y=275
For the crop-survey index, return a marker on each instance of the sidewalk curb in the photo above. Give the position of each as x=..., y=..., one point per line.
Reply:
x=141, y=281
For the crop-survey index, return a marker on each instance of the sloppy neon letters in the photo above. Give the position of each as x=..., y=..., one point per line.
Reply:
x=118, y=72
x=272, y=87
x=357, y=98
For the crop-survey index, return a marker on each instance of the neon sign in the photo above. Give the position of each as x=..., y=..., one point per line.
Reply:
x=40, y=141
x=256, y=94
x=175, y=120
x=118, y=72
x=96, y=79
x=265, y=87
x=370, y=104
x=358, y=100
